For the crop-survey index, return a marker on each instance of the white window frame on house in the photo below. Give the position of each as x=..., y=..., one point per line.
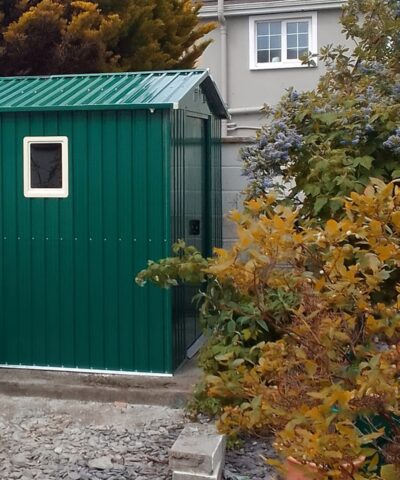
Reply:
x=285, y=18
x=31, y=192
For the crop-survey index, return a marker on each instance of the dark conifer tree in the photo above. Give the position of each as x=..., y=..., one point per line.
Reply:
x=40, y=37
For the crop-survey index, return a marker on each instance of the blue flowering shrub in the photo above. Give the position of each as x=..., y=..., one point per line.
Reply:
x=332, y=140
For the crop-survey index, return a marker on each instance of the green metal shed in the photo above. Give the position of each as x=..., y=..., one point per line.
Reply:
x=98, y=174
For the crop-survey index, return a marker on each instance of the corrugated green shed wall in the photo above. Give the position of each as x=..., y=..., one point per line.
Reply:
x=67, y=292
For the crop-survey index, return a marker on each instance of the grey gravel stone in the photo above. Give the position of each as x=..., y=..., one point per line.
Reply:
x=56, y=440
x=247, y=462
x=101, y=463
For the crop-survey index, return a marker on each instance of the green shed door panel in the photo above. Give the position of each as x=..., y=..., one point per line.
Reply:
x=195, y=210
x=190, y=214
x=67, y=291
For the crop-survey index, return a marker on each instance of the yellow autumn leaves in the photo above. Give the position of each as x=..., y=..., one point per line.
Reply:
x=338, y=358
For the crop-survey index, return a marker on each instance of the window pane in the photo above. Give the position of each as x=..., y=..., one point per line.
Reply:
x=263, y=43
x=275, y=55
x=275, y=41
x=291, y=27
x=263, y=56
x=263, y=28
x=303, y=27
x=275, y=28
x=46, y=165
x=292, y=41
x=303, y=40
x=292, y=53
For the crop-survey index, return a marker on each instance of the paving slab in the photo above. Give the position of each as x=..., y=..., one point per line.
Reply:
x=199, y=449
x=216, y=475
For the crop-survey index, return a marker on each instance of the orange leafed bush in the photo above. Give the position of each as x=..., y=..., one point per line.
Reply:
x=337, y=365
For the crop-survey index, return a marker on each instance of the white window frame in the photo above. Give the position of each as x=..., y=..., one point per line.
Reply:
x=30, y=192
x=284, y=18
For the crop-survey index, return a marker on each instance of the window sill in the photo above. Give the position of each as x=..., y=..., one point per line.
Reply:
x=281, y=66
x=46, y=193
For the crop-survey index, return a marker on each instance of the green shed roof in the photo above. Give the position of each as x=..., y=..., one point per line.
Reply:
x=135, y=90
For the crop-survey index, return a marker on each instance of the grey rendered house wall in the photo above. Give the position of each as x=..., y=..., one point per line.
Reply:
x=254, y=88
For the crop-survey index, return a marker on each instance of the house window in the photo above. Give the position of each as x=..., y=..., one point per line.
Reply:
x=46, y=167
x=280, y=42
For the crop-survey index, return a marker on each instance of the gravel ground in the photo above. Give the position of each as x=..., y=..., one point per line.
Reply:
x=54, y=439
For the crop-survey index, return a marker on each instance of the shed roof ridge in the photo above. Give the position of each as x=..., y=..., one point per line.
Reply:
x=105, y=74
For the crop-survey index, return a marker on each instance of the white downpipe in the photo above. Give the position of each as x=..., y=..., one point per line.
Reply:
x=232, y=128
x=224, y=57
x=245, y=110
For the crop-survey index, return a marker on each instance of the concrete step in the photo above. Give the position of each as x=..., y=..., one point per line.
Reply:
x=142, y=390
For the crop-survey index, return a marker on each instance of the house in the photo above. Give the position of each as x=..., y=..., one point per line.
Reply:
x=254, y=58
x=99, y=173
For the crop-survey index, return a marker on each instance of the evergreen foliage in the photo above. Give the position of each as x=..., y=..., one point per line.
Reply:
x=39, y=37
x=158, y=34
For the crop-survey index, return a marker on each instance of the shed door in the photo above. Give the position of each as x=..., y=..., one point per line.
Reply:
x=195, y=210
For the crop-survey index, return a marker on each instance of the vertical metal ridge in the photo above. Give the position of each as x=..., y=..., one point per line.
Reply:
x=131, y=239
x=87, y=193
x=95, y=260
x=73, y=239
x=17, y=250
x=147, y=216
x=2, y=241
x=167, y=128
x=140, y=233
x=102, y=231
x=183, y=227
x=59, y=266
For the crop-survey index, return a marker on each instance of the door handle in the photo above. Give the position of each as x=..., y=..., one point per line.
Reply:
x=194, y=227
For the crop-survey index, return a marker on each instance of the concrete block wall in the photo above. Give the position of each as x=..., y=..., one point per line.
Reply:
x=233, y=183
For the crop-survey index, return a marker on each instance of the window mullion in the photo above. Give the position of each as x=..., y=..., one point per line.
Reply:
x=254, y=46
x=284, y=41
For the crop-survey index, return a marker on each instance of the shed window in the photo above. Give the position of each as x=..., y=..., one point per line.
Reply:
x=46, y=167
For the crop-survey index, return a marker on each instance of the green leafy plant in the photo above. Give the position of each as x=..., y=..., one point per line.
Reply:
x=232, y=321
x=329, y=141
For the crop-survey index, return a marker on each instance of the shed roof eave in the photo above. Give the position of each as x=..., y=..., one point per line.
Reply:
x=70, y=108
x=217, y=106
